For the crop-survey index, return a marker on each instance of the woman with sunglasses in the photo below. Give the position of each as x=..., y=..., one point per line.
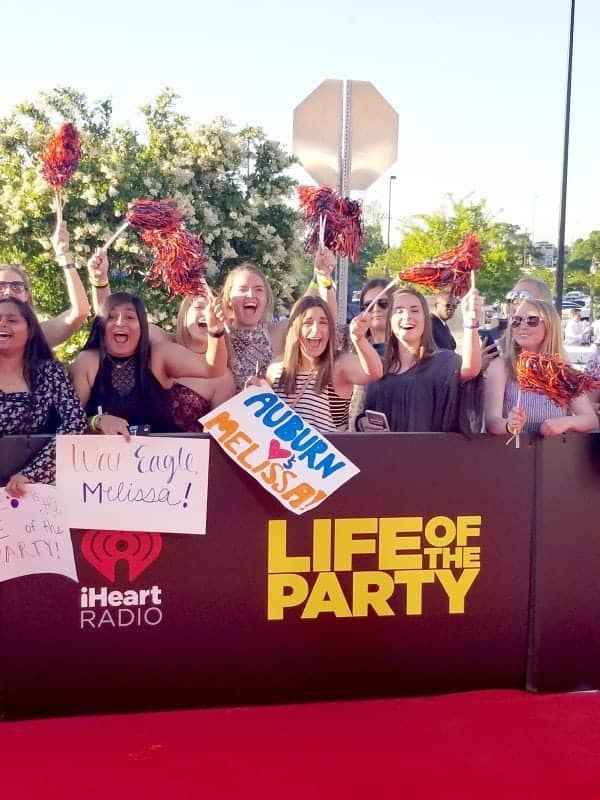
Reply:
x=377, y=317
x=534, y=327
x=14, y=284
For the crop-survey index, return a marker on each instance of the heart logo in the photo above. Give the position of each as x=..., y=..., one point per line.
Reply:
x=276, y=451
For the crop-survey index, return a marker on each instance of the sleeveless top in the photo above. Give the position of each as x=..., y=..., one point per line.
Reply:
x=326, y=411
x=187, y=407
x=537, y=407
x=248, y=349
x=116, y=390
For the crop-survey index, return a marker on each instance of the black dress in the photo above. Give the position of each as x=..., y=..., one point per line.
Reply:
x=429, y=397
x=117, y=390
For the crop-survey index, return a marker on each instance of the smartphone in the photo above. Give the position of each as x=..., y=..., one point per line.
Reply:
x=139, y=430
x=377, y=419
x=487, y=340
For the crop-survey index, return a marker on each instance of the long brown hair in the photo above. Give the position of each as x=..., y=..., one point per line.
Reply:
x=391, y=359
x=36, y=347
x=248, y=266
x=291, y=353
x=552, y=343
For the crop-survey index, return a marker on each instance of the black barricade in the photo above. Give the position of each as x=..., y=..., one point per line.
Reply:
x=271, y=607
x=565, y=641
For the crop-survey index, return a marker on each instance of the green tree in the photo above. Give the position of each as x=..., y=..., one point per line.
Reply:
x=231, y=184
x=428, y=235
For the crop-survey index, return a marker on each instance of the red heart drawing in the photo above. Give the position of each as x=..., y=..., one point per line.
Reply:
x=276, y=451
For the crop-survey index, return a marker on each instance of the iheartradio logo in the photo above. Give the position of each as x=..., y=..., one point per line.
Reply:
x=105, y=549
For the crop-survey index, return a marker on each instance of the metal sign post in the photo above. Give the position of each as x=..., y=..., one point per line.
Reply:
x=345, y=135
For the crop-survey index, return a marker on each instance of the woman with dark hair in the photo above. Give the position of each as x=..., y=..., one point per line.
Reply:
x=311, y=378
x=36, y=395
x=425, y=389
x=535, y=326
x=14, y=283
x=124, y=381
x=377, y=316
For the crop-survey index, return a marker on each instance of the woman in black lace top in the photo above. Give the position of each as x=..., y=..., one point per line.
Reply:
x=36, y=396
x=123, y=380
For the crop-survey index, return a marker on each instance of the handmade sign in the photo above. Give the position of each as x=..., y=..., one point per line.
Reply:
x=33, y=536
x=288, y=457
x=146, y=484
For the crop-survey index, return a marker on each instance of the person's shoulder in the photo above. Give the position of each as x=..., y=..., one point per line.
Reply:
x=87, y=357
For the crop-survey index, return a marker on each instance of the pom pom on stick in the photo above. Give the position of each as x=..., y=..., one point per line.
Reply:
x=334, y=222
x=451, y=270
x=60, y=158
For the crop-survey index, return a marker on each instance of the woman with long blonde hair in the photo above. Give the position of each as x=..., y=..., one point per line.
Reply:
x=534, y=327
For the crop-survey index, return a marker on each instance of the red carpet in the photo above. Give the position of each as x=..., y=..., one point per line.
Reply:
x=476, y=746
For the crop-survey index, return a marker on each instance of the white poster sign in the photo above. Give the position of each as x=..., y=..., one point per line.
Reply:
x=154, y=484
x=33, y=536
x=288, y=457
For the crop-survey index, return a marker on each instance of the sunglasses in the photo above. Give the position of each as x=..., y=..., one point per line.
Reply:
x=383, y=303
x=451, y=306
x=13, y=286
x=532, y=321
x=512, y=297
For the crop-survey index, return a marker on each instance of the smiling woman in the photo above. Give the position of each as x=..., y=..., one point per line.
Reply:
x=312, y=378
x=123, y=380
x=36, y=395
x=534, y=327
x=425, y=389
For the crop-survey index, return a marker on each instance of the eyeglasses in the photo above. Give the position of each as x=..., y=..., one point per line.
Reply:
x=383, y=303
x=512, y=297
x=532, y=321
x=16, y=287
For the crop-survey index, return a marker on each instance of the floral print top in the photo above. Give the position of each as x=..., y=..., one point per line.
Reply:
x=50, y=407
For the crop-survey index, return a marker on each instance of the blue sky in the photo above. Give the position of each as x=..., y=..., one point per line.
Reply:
x=479, y=86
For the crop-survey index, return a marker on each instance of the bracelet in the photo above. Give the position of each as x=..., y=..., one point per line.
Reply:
x=94, y=423
x=65, y=260
x=509, y=430
x=99, y=285
x=216, y=334
x=69, y=266
x=324, y=283
x=472, y=327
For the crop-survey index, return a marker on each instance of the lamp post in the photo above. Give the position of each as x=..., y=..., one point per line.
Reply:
x=560, y=264
x=593, y=271
x=392, y=178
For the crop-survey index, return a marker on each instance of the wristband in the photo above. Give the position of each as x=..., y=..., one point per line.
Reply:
x=69, y=266
x=65, y=260
x=313, y=285
x=99, y=285
x=216, y=334
x=324, y=283
x=472, y=327
x=509, y=430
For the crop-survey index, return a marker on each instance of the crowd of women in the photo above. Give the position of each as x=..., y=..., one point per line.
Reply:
x=132, y=376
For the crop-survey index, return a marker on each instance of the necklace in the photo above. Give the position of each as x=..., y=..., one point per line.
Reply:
x=118, y=361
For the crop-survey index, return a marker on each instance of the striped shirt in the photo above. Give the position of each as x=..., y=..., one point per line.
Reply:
x=326, y=411
x=537, y=407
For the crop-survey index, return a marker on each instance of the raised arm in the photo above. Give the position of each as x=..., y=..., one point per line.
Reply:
x=97, y=268
x=356, y=370
x=471, y=354
x=62, y=327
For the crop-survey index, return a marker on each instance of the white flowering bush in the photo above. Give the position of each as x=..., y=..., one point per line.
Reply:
x=231, y=184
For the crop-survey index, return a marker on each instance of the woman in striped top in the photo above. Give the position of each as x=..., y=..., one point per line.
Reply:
x=535, y=327
x=311, y=378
